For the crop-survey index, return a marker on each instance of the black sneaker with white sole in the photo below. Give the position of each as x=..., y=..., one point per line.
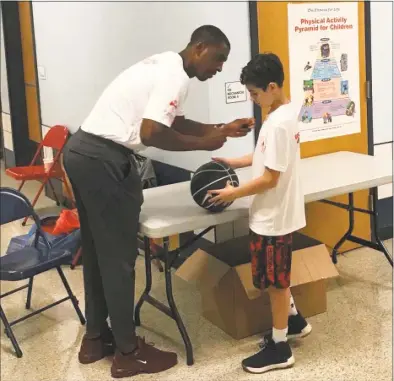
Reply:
x=298, y=327
x=272, y=356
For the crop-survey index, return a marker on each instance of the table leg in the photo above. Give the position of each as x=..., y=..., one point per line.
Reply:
x=376, y=242
x=148, y=285
x=384, y=250
x=349, y=231
x=379, y=242
x=173, y=308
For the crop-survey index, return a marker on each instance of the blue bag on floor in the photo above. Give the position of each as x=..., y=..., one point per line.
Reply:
x=68, y=241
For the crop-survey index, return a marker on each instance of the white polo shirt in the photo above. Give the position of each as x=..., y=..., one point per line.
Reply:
x=279, y=210
x=155, y=88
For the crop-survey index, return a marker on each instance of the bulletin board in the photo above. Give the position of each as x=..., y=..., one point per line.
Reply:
x=324, y=222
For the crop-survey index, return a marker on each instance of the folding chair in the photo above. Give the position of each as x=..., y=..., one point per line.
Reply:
x=76, y=258
x=55, y=138
x=30, y=261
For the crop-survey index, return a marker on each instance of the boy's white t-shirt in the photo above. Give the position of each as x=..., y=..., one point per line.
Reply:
x=279, y=210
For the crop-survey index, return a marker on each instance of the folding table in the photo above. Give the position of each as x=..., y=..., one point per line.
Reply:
x=170, y=210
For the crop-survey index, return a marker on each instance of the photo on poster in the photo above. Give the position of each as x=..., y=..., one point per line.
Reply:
x=324, y=68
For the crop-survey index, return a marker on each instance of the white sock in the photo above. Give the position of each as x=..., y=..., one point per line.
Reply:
x=279, y=335
x=292, y=307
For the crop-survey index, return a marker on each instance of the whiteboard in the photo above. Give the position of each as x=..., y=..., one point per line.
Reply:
x=83, y=46
x=382, y=70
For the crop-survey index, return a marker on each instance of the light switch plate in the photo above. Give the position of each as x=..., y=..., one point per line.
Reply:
x=41, y=72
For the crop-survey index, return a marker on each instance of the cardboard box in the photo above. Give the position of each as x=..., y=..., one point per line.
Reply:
x=229, y=298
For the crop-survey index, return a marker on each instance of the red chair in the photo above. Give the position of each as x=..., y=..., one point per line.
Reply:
x=55, y=138
x=75, y=260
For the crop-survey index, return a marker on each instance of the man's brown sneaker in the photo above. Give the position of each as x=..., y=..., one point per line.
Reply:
x=93, y=350
x=145, y=359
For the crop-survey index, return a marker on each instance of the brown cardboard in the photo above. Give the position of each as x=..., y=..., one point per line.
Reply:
x=203, y=270
x=229, y=298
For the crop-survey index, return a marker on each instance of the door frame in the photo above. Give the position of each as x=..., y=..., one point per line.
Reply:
x=23, y=147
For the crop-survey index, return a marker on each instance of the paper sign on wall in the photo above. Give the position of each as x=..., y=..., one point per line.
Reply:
x=235, y=92
x=324, y=68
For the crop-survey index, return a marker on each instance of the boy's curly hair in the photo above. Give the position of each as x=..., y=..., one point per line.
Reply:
x=262, y=70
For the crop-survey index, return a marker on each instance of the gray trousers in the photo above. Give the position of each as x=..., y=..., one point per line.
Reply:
x=108, y=193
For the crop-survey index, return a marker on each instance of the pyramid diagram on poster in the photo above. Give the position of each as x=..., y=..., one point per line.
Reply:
x=326, y=93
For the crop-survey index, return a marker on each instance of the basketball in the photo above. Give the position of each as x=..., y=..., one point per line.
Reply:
x=210, y=176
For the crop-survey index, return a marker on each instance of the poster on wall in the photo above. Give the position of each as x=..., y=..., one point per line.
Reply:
x=324, y=68
x=235, y=92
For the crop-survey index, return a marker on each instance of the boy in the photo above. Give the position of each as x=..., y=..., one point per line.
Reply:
x=277, y=209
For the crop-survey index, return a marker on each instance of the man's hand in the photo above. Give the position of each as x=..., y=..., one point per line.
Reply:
x=154, y=134
x=238, y=127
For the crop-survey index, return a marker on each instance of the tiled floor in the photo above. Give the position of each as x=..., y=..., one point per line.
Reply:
x=352, y=341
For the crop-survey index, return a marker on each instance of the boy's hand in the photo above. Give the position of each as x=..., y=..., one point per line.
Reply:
x=223, y=160
x=238, y=127
x=222, y=196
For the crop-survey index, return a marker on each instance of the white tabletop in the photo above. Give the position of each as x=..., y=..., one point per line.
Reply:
x=170, y=209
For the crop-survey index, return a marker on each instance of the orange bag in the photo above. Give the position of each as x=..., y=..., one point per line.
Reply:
x=67, y=222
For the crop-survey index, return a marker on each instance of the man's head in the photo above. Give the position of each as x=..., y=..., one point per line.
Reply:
x=263, y=76
x=206, y=52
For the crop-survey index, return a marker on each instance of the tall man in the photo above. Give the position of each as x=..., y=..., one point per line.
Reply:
x=142, y=107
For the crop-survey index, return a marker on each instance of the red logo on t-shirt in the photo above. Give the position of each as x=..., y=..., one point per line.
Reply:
x=297, y=137
x=171, y=110
x=174, y=104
